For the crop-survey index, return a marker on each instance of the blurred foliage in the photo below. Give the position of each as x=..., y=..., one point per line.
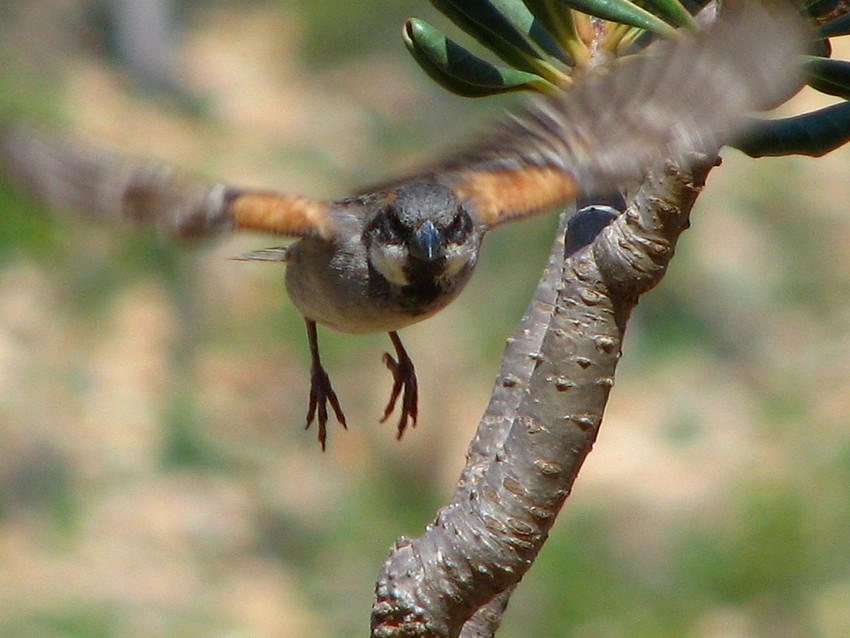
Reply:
x=337, y=29
x=25, y=227
x=156, y=479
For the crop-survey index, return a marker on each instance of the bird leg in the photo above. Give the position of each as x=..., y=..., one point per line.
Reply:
x=321, y=391
x=404, y=378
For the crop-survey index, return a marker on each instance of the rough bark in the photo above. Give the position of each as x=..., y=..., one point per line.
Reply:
x=542, y=421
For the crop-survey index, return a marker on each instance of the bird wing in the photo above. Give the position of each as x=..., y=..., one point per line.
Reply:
x=679, y=98
x=682, y=97
x=70, y=174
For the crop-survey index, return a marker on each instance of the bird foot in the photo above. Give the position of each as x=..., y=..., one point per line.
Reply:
x=322, y=393
x=404, y=385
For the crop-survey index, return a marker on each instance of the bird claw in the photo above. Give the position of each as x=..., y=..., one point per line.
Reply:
x=404, y=379
x=322, y=393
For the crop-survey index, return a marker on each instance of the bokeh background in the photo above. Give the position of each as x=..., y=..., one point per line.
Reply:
x=155, y=477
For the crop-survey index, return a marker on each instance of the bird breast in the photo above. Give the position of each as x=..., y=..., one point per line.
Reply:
x=334, y=284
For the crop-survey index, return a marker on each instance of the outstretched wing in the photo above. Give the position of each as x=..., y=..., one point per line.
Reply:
x=70, y=174
x=683, y=97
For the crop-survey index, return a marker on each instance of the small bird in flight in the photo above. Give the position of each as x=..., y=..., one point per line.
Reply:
x=390, y=258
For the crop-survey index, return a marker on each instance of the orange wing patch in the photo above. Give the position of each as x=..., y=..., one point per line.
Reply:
x=282, y=215
x=499, y=196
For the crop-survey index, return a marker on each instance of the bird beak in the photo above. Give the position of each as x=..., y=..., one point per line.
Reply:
x=427, y=242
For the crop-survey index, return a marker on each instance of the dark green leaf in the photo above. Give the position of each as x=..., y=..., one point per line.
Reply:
x=839, y=26
x=506, y=27
x=813, y=134
x=622, y=11
x=524, y=21
x=672, y=11
x=555, y=19
x=460, y=71
x=828, y=76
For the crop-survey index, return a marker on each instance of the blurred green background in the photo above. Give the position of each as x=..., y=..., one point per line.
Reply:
x=155, y=477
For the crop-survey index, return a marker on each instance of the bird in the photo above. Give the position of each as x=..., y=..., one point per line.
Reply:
x=382, y=260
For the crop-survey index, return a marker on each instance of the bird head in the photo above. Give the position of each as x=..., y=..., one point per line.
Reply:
x=422, y=233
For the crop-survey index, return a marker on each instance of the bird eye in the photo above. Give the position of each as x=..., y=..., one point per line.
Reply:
x=397, y=229
x=460, y=226
x=390, y=226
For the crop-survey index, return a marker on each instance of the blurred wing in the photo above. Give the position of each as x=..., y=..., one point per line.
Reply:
x=69, y=174
x=679, y=98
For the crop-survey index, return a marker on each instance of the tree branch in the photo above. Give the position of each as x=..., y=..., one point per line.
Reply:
x=543, y=418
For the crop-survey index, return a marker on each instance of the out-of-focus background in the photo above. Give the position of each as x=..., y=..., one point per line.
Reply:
x=155, y=477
